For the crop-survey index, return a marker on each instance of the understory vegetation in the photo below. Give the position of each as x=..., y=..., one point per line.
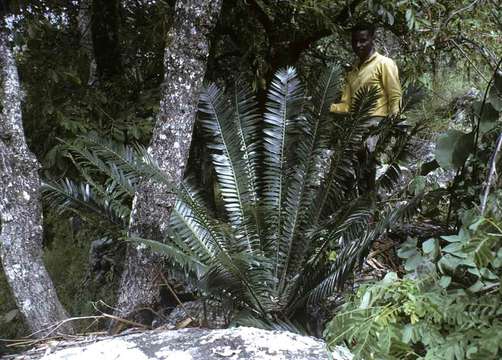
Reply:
x=278, y=220
x=446, y=300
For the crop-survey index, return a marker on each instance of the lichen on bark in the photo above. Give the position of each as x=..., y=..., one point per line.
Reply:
x=185, y=60
x=21, y=212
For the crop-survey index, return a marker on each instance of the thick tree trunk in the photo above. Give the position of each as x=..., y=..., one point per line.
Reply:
x=185, y=65
x=20, y=210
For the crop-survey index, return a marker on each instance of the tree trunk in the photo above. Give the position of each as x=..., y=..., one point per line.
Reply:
x=85, y=30
x=185, y=61
x=20, y=211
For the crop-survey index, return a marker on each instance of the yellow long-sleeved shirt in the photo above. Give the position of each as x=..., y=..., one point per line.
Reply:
x=379, y=71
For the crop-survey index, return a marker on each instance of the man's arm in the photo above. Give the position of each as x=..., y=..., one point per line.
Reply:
x=391, y=86
x=344, y=105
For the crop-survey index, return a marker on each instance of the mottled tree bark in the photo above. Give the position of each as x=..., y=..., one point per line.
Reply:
x=20, y=210
x=85, y=30
x=185, y=61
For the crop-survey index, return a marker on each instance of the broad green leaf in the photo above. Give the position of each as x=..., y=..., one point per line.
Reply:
x=453, y=248
x=451, y=238
x=365, y=301
x=413, y=262
x=489, y=118
x=408, y=249
x=445, y=281
x=477, y=286
x=474, y=226
x=453, y=148
x=390, y=278
x=431, y=247
x=448, y=263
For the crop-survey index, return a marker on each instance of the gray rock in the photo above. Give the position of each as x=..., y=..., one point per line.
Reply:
x=192, y=344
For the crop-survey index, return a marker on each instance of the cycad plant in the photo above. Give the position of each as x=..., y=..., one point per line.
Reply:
x=279, y=212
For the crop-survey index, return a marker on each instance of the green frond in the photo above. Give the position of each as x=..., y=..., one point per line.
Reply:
x=354, y=253
x=199, y=214
x=285, y=99
x=247, y=277
x=364, y=102
x=349, y=138
x=184, y=229
x=123, y=164
x=224, y=142
x=325, y=90
x=248, y=124
x=246, y=318
x=230, y=155
x=302, y=184
x=81, y=199
x=396, y=154
x=175, y=255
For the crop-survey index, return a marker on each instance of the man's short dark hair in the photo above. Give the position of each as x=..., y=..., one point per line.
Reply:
x=364, y=26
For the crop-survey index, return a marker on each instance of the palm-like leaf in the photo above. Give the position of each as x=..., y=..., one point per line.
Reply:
x=267, y=253
x=285, y=99
x=354, y=253
x=349, y=138
x=67, y=195
x=302, y=183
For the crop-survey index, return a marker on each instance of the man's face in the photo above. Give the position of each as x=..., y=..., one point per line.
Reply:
x=362, y=43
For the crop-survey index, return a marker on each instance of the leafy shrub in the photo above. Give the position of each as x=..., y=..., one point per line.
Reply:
x=447, y=306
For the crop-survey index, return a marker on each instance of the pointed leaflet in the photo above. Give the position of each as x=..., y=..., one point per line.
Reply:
x=350, y=136
x=314, y=128
x=217, y=119
x=247, y=121
x=285, y=98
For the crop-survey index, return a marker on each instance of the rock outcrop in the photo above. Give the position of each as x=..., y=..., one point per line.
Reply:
x=191, y=344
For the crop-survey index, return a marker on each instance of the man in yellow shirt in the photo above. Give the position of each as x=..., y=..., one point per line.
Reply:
x=372, y=69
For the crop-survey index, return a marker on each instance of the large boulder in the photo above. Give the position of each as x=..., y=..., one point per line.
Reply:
x=191, y=344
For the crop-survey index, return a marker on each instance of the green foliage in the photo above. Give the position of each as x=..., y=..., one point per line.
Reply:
x=453, y=148
x=66, y=257
x=447, y=306
x=469, y=153
x=266, y=249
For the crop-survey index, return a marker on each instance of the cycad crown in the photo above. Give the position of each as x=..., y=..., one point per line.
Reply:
x=281, y=212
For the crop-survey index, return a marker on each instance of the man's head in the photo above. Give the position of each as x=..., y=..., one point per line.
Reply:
x=363, y=35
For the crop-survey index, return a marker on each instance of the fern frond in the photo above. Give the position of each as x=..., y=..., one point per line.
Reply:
x=81, y=199
x=217, y=119
x=353, y=254
x=397, y=154
x=175, y=255
x=125, y=165
x=302, y=185
x=285, y=99
x=248, y=278
x=340, y=178
x=248, y=123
